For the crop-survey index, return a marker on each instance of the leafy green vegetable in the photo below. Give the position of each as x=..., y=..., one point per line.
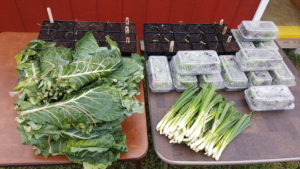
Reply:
x=73, y=102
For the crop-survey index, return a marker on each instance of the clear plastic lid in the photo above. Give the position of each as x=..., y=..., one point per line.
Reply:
x=159, y=74
x=267, y=45
x=234, y=78
x=259, y=78
x=181, y=82
x=283, y=76
x=215, y=79
x=258, y=59
x=264, y=98
x=240, y=41
x=258, y=30
x=197, y=62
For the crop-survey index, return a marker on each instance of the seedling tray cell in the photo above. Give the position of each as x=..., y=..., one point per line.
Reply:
x=131, y=27
x=67, y=33
x=158, y=27
x=113, y=27
x=187, y=37
x=182, y=37
x=193, y=28
x=183, y=46
x=207, y=28
x=196, y=38
x=199, y=46
x=179, y=28
x=220, y=28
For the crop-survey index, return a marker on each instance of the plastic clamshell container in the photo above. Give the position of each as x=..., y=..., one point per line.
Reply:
x=258, y=30
x=259, y=78
x=267, y=45
x=196, y=62
x=283, y=76
x=240, y=41
x=182, y=82
x=234, y=78
x=258, y=59
x=266, y=98
x=159, y=74
x=215, y=79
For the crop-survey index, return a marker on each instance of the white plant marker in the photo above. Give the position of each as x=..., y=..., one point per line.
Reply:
x=127, y=30
x=127, y=39
x=224, y=30
x=221, y=22
x=50, y=15
x=171, y=48
x=229, y=39
x=127, y=21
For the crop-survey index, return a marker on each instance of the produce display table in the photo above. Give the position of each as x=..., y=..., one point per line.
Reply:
x=12, y=152
x=272, y=137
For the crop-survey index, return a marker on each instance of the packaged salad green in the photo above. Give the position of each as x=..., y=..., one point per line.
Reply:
x=159, y=74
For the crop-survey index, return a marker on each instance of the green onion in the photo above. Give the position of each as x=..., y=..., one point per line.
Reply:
x=204, y=121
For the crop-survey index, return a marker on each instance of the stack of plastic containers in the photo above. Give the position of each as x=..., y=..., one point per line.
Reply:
x=181, y=82
x=183, y=69
x=234, y=78
x=189, y=64
x=268, y=75
x=259, y=52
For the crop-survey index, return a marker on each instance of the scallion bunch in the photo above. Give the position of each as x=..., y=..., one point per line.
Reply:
x=203, y=120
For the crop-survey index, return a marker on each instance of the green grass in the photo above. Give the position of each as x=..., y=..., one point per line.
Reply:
x=151, y=161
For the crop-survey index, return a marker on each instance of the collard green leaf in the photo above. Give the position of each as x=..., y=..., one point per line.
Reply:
x=90, y=62
x=73, y=103
x=82, y=108
x=53, y=61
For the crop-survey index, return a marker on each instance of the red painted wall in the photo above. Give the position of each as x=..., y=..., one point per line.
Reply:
x=27, y=15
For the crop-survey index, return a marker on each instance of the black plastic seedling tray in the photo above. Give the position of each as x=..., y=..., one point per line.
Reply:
x=67, y=33
x=157, y=38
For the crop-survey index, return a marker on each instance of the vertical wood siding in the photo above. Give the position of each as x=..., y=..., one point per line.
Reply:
x=27, y=15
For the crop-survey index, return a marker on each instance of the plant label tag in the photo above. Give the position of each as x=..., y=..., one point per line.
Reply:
x=229, y=39
x=224, y=30
x=221, y=22
x=171, y=48
x=127, y=39
x=127, y=30
x=50, y=16
x=127, y=21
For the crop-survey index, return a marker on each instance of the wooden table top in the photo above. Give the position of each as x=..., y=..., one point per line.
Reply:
x=272, y=137
x=12, y=152
x=289, y=43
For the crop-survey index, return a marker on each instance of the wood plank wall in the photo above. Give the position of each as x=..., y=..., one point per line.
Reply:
x=27, y=15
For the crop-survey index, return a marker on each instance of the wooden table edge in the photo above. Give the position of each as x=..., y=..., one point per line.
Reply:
x=120, y=159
